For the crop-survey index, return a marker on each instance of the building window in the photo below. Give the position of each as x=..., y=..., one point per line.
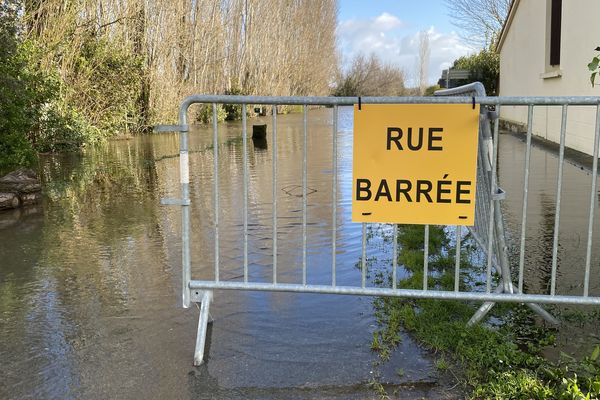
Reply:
x=555, y=27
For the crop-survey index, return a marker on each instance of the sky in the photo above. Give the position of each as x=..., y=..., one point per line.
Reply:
x=390, y=29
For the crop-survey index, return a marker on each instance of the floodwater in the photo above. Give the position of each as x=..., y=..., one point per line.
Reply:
x=90, y=280
x=579, y=332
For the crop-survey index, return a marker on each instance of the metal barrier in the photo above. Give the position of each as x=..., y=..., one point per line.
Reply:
x=488, y=230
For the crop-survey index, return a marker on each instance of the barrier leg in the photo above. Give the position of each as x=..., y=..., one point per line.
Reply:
x=202, y=326
x=487, y=306
x=484, y=309
x=539, y=310
x=504, y=270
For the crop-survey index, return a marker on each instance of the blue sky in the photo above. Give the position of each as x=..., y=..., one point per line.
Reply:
x=390, y=29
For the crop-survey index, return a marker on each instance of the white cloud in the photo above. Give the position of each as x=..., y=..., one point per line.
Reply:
x=387, y=37
x=387, y=21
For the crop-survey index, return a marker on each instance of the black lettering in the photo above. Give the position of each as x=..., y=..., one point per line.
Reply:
x=395, y=139
x=405, y=190
x=460, y=191
x=441, y=190
x=424, y=191
x=409, y=139
x=360, y=188
x=383, y=190
x=434, y=138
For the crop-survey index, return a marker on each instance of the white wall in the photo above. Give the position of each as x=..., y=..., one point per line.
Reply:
x=523, y=61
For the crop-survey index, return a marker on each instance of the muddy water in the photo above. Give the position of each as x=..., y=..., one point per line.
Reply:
x=90, y=281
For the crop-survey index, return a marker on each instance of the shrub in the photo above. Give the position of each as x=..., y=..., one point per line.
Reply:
x=483, y=67
x=105, y=83
x=204, y=113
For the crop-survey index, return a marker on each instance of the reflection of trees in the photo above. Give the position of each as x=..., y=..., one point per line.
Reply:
x=99, y=205
x=100, y=232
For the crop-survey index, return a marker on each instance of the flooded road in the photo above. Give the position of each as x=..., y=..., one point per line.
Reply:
x=90, y=283
x=579, y=332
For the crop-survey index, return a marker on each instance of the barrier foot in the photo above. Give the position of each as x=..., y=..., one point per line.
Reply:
x=539, y=310
x=487, y=306
x=481, y=313
x=202, y=326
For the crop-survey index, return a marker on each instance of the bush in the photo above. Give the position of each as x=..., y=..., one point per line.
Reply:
x=31, y=116
x=105, y=83
x=483, y=67
x=233, y=111
x=204, y=113
x=15, y=151
x=63, y=129
x=19, y=97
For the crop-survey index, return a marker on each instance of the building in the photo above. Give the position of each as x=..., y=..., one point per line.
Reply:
x=545, y=46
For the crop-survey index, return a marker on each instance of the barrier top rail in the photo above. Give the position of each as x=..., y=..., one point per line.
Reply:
x=348, y=101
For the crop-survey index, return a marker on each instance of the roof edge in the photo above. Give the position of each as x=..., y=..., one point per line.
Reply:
x=509, y=18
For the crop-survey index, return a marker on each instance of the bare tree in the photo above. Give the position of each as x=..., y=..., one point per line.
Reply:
x=424, y=52
x=479, y=21
x=268, y=47
x=370, y=77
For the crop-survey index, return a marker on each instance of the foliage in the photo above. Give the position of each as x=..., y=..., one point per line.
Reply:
x=33, y=116
x=204, y=113
x=370, y=77
x=62, y=128
x=430, y=90
x=234, y=111
x=500, y=363
x=594, y=66
x=104, y=82
x=483, y=67
x=129, y=64
x=18, y=98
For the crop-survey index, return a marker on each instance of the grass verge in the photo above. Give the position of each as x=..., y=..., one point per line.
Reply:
x=502, y=360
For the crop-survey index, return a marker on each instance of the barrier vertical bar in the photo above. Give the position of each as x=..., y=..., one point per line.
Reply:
x=525, y=196
x=394, y=256
x=274, y=193
x=304, y=183
x=425, y=257
x=245, y=167
x=502, y=249
x=184, y=178
x=561, y=158
x=457, y=258
x=364, y=256
x=588, y=253
x=490, y=249
x=334, y=198
x=216, y=189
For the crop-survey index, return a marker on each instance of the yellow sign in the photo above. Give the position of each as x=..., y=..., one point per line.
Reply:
x=415, y=163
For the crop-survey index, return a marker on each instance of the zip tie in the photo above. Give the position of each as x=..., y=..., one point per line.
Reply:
x=473, y=97
x=359, y=103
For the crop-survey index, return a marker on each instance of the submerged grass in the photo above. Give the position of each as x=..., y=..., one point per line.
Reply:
x=500, y=361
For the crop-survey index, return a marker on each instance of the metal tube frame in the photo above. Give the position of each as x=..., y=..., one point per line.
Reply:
x=201, y=292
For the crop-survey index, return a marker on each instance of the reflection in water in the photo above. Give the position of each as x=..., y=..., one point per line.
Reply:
x=541, y=217
x=89, y=289
x=577, y=339
x=260, y=143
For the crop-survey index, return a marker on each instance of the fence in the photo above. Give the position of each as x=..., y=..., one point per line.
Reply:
x=488, y=231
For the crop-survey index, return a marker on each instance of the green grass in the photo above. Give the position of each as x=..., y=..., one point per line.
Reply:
x=500, y=362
